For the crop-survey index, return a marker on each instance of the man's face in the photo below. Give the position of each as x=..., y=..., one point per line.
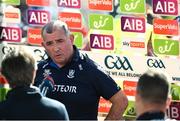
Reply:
x=59, y=46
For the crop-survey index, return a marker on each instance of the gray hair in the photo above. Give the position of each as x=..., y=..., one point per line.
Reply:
x=54, y=25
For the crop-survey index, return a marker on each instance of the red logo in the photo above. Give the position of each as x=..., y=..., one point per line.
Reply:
x=73, y=20
x=167, y=27
x=37, y=2
x=34, y=36
x=104, y=106
x=105, y=5
x=137, y=44
x=129, y=87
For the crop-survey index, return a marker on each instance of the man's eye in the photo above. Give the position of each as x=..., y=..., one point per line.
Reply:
x=59, y=40
x=49, y=43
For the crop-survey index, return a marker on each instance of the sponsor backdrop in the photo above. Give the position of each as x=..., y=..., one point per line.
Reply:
x=114, y=33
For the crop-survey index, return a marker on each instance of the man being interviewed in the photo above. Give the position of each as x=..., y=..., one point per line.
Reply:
x=77, y=81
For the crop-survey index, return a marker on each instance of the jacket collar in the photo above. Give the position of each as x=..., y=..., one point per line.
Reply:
x=152, y=115
x=23, y=92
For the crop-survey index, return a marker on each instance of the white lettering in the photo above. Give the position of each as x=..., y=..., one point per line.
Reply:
x=175, y=113
x=9, y=34
x=96, y=42
x=171, y=7
x=4, y=34
x=139, y=25
x=38, y=17
x=159, y=7
x=71, y=19
x=33, y=17
x=34, y=36
x=168, y=7
x=100, y=2
x=167, y=26
x=65, y=88
x=127, y=25
x=68, y=2
x=107, y=41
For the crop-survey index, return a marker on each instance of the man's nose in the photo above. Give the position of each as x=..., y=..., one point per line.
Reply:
x=56, y=48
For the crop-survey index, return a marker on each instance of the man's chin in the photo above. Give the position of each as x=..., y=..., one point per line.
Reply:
x=58, y=60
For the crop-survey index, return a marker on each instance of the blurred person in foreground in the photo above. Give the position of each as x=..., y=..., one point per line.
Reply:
x=78, y=82
x=152, y=96
x=24, y=101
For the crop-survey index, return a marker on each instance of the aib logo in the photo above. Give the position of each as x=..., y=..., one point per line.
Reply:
x=38, y=17
x=133, y=24
x=117, y=63
x=155, y=63
x=166, y=7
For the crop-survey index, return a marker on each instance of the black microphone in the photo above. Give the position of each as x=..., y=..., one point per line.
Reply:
x=47, y=85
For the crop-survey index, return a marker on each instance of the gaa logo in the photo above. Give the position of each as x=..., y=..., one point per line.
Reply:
x=155, y=63
x=117, y=63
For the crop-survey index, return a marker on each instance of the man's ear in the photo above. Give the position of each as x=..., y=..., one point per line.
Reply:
x=42, y=43
x=168, y=102
x=34, y=75
x=72, y=38
x=136, y=97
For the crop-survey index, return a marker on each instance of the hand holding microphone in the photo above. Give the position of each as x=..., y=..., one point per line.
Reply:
x=47, y=85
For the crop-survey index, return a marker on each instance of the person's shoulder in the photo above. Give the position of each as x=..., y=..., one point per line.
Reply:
x=43, y=63
x=3, y=106
x=84, y=58
x=92, y=65
x=168, y=119
x=53, y=103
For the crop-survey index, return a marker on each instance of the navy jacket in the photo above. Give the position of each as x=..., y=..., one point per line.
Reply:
x=26, y=103
x=78, y=85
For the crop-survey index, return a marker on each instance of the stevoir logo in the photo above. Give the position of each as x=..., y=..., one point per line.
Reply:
x=155, y=63
x=117, y=63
